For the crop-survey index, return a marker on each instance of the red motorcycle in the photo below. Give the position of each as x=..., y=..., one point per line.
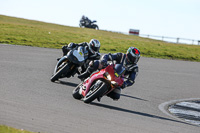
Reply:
x=100, y=83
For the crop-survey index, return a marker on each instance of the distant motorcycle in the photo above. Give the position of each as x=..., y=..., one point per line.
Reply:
x=69, y=64
x=100, y=83
x=88, y=24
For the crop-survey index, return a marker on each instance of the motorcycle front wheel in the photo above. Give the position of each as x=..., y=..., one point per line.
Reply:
x=63, y=70
x=75, y=93
x=96, y=90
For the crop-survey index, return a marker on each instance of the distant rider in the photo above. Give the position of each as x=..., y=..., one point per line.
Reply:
x=91, y=50
x=128, y=60
x=86, y=21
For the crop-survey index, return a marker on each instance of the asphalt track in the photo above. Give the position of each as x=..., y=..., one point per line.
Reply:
x=28, y=100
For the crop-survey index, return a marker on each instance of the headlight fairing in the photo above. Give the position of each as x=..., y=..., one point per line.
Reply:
x=107, y=75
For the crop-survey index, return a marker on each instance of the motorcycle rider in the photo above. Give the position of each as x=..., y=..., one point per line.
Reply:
x=83, y=20
x=91, y=50
x=128, y=60
x=86, y=21
x=83, y=17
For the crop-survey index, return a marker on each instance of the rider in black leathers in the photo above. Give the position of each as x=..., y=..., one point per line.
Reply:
x=91, y=48
x=128, y=60
x=86, y=21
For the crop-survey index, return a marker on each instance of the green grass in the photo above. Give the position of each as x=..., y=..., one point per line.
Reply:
x=6, y=129
x=34, y=33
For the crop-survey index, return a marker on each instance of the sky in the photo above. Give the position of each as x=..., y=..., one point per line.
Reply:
x=170, y=18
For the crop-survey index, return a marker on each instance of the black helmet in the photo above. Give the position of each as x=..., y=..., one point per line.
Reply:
x=83, y=17
x=133, y=55
x=94, y=46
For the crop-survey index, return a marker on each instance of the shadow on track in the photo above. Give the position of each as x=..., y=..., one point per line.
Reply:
x=67, y=83
x=136, y=113
x=124, y=95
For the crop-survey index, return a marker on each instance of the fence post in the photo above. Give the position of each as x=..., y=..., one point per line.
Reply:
x=177, y=40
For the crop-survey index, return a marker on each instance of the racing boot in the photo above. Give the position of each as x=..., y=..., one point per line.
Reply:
x=88, y=71
x=92, y=68
x=84, y=75
x=115, y=94
x=65, y=50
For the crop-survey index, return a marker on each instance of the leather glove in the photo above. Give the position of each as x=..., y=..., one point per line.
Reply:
x=98, y=56
x=103, y=62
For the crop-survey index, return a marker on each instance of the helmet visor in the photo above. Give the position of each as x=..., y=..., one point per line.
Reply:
x=96, y=49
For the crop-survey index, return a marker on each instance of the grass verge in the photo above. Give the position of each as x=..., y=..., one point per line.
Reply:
x=34, y=33
x=6, y=129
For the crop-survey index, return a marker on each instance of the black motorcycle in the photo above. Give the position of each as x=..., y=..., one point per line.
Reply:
x=88, y=24
x=70, y=64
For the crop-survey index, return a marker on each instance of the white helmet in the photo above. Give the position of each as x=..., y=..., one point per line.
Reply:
x=94, y=46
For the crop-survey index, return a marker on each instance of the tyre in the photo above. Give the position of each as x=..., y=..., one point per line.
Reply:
x=94, y=26
x=97, y=90
x=60, y=71
x=75, y=93
x=97, y=28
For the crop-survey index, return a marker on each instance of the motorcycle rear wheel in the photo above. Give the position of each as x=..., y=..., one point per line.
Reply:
x=96, y=28
x=96, y=92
